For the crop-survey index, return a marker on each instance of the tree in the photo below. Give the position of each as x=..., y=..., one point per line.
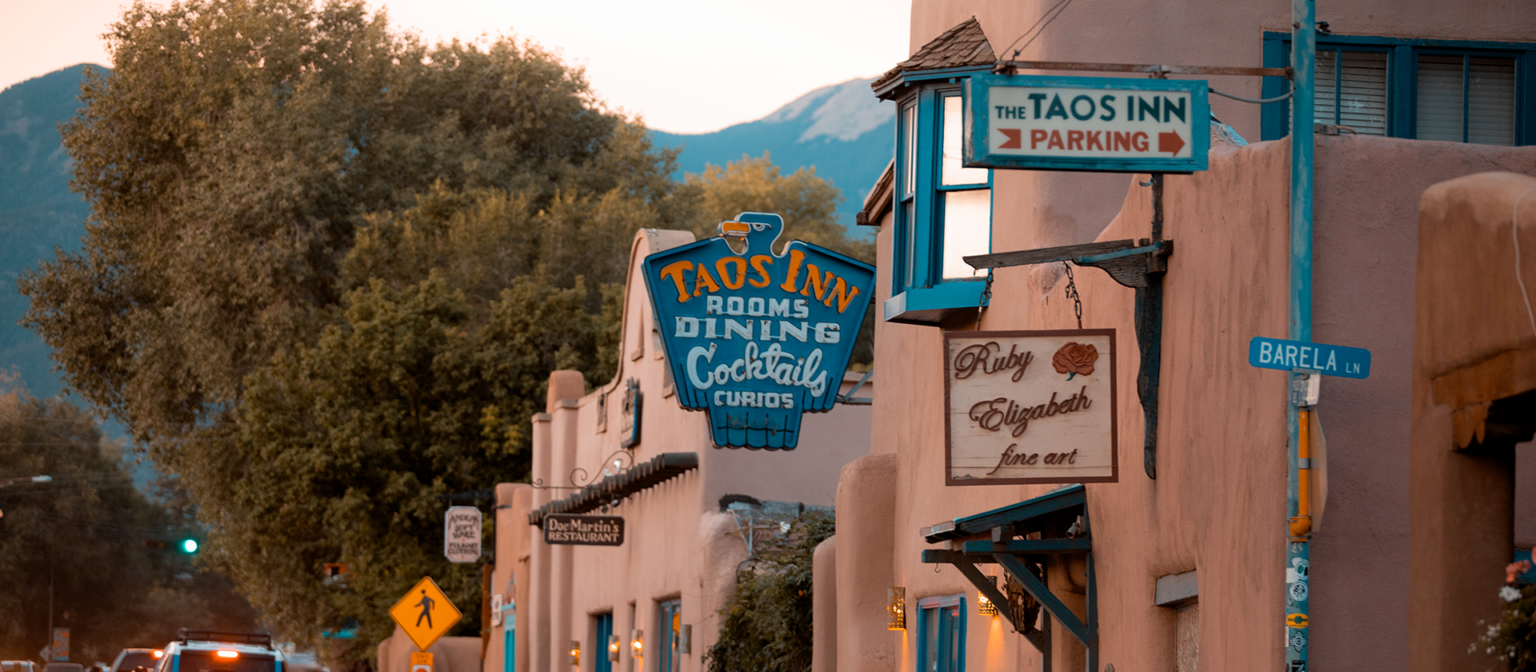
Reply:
x=230, y=158
x=767, y=623
x=807, y=203
x=346, y=448
x=63, y=535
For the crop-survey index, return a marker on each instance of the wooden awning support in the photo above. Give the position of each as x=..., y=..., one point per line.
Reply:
x=1061, y=521
x=1138, y=264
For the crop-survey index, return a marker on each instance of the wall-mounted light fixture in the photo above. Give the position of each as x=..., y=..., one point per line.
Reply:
x=613, y=648
x=637, y=643
x=575, y=652
x=896, y=609
x=984, y=606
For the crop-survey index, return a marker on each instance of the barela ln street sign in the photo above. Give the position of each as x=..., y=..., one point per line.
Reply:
x=1105, y=124
x=1329, y=360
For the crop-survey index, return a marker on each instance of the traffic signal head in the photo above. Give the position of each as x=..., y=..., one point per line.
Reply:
x=187, y=545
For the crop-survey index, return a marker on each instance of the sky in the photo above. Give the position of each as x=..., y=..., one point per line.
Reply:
x=684, y=66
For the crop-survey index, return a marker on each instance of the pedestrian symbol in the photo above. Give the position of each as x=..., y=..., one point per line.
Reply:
x=425, y=613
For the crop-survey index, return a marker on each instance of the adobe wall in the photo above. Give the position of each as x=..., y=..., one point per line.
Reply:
x=1063, y=208
x=449, y=654
x=511, y=578
x=1218, y=505
x=1476, y=345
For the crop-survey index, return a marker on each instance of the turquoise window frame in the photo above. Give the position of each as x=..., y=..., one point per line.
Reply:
x=919, y=293
x=1402, y=78
x=930, y=615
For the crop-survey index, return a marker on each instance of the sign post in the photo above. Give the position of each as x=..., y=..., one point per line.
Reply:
x=425, y=613
x=461, y=534
x=1030, y=407
x=757, y=337
x=1102, y=124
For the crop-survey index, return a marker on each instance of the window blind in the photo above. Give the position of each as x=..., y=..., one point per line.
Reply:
x=1466, y=99
x=1491, y=94
x=1351, y=90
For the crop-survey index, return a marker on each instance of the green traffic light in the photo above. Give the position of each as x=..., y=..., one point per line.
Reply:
x=189, y=546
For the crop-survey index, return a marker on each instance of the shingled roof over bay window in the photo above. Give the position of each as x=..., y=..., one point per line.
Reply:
x=964, y=46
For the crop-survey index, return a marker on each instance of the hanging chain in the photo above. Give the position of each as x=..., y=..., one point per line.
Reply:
x=1077, y=301
x=986, y=298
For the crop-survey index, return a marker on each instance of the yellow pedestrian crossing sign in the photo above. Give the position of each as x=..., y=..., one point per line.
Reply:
x=425, y=613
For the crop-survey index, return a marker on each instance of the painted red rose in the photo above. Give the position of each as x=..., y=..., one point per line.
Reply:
x=1075, y=358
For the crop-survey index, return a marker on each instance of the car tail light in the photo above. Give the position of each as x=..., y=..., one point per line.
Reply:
x=159, y=653
x=228, y=654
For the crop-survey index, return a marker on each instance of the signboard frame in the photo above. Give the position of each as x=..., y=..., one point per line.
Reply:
x=977, y=91
x=448, y=534
x=1114, y=408
x=559, y=517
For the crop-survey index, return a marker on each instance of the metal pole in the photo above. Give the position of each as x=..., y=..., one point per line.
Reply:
x=1298, y=529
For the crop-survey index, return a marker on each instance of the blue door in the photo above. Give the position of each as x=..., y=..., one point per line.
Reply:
x=671, y=625
x=603, y=648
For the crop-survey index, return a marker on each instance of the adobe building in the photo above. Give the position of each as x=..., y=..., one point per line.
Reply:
x=689, y=509
x=1178, y=560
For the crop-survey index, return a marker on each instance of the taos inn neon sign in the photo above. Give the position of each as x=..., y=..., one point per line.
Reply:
x=1087, y=123
x=757, y=338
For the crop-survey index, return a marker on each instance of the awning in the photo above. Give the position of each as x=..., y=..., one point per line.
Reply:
x=1020, y=537
x=661, y=468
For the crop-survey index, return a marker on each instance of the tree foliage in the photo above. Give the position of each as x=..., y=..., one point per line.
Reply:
x=345, y=447
x=83, y=536
x=767, y=623
x=329, y=269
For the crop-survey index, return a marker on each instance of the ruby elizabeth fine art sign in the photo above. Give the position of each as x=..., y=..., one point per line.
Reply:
x=1030, y=407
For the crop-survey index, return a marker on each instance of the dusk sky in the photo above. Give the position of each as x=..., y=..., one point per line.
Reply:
x=686, y=66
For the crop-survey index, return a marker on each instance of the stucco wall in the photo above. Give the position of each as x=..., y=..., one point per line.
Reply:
x=449, y=654
x=1218, y=503
x=1475, y=345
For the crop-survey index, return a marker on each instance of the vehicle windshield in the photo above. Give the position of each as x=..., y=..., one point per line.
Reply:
x=207, y=661
x=132, y=659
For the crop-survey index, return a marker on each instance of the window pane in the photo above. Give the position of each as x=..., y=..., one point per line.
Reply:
x=954, y=123
x=967, y=230
x=930, y=640
x=1325, y=96
x=952, y=633
x=1439, y=104
x=909, y=268
x=1491, y=107
x=909, y=150
x=1363, y=92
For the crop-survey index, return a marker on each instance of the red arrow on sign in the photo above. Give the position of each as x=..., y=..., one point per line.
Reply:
x=1169, y=142
x=1014, y=135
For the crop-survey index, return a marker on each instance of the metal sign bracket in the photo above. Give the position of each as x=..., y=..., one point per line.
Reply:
x=1138, y=264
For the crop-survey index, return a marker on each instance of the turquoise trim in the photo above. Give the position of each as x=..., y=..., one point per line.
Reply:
x=917, y=244
x=930, y=609
x=1402, y=81
x=978, y=92
x=929, y=305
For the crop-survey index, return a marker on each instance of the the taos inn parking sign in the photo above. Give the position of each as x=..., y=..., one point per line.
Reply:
x=1030, y=407
x=1106, y=124
x=757, y=337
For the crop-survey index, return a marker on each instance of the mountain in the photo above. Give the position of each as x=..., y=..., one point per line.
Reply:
x=841, y=130
x=38, y=212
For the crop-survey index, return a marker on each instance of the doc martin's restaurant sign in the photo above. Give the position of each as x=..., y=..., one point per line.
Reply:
x=1030, y=407
x=757, y=338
